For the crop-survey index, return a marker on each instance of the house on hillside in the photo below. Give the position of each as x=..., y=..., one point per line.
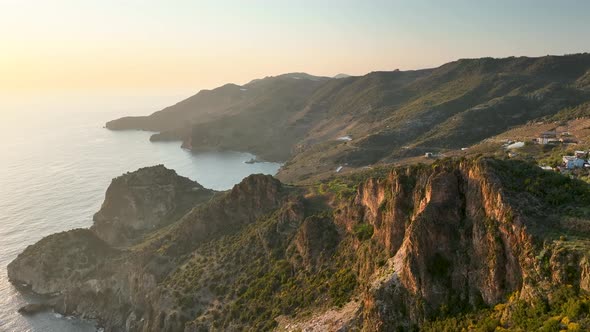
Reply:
x=571, y=162
x=568, y=162
x=547, y=137
x=581, y=154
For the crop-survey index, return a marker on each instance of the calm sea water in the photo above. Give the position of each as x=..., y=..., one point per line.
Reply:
x=54, y=170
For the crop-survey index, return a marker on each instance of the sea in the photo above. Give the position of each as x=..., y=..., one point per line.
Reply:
x=55, y=166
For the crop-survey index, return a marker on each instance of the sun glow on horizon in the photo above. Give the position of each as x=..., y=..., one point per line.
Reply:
x=81, y=46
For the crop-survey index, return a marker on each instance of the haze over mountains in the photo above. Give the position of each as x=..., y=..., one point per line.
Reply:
x=297, y=118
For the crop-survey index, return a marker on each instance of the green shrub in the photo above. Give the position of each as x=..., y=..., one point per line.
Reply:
x=342, y=285
x=363, y=231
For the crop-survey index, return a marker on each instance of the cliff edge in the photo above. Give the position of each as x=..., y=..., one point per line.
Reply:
x=145, y=200
x=390, y=249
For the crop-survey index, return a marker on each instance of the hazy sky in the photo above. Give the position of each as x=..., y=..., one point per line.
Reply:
x=172, y=46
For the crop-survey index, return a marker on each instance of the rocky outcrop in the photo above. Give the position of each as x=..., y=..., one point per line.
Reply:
x=89, y=277
x=418, y=243
x=227, y=214
x=450, y=242
x=145, y=200
x=315, y=242
x=33, y=308
x=458, y=240
x=53, y=264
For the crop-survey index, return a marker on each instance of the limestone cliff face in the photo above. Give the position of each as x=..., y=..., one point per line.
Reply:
x=453, y=240
x=142, y=201
x=456, y=240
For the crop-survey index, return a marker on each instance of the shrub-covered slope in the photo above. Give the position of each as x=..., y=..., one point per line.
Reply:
x=298, y=118
x=460, y=242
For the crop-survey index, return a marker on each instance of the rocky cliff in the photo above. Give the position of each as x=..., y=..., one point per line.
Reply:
x=51, y=264
x=142, y=201
x=379, y=251
x=454, y=242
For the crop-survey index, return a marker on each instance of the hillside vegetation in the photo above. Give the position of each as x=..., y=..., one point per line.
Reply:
x=390, y=116
x=478, y=244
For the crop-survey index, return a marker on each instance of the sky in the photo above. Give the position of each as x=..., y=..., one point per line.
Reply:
x=177, y=47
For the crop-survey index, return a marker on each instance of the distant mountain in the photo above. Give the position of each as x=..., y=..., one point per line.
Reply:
x=232, y=116
x=387, y=116
x=223, y=101
x=341, y=76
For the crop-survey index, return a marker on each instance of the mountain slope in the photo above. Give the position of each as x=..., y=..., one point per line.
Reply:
x=230, y=116
x=455, y=105
x=385, y=250
x=385, y=116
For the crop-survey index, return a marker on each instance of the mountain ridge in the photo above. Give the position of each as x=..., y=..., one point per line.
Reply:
x=388, y=115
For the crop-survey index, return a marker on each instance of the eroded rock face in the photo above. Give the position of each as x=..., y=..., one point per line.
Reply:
x=315, y=242
x=142, y=201
x=454, y=239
